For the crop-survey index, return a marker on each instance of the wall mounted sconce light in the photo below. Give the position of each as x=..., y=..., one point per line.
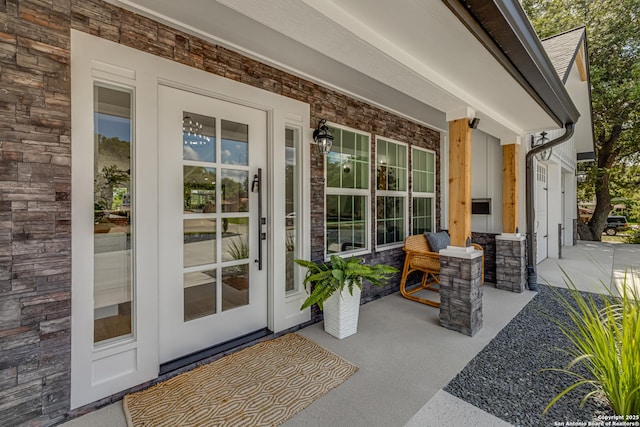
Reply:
x=322, y=137
x=473, y=123
x=543, y=155
x=581, y=175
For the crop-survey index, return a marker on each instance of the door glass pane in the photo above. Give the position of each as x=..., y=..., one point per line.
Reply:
x=235, y=286
x=113, y=212
x=198, y=137
x=199, y=189
x=235, y=238
x=216, y=238
x=235, y=143
x=199, y=294
x=292, y=140
x=235, y=190
x=199, y=242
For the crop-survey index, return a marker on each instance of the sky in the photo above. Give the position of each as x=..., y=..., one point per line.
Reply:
x=113, y=126
x=232, y=152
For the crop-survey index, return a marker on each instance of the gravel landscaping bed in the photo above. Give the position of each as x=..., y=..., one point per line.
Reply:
x=507, y=379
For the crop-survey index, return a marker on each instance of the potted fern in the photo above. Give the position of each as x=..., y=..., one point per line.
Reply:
x=336, y=287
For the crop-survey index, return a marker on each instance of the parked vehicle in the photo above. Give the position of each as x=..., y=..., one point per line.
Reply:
x=615, y=224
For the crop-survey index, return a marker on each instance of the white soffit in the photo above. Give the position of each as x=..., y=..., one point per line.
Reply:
x=411, y=57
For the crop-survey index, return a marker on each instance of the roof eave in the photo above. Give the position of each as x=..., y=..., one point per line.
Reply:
x=504, y=29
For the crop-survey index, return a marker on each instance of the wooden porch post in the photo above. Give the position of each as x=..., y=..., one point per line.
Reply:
x=511, y=257
x=459, y=181
x=509, y=188
x=460, y=266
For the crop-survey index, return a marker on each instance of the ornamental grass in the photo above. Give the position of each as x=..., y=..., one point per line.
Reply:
x=604, y=332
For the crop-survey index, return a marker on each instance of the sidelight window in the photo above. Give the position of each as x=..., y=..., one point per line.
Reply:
x=113, y=201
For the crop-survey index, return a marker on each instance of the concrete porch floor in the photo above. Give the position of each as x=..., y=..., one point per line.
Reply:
x=405, y=357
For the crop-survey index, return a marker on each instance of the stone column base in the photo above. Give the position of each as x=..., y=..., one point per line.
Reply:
x=461, y=290
x=511, y=262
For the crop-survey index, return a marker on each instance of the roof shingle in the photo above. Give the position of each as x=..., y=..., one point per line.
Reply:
x=562, y=49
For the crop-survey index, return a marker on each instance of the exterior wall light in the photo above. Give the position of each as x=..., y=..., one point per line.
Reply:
x=545, y=155
x=322, y=137
x=473, y=123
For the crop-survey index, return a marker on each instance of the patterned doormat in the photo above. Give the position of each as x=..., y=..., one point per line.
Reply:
x=262, y=385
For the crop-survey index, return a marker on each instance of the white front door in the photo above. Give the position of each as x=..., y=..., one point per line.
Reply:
x=542, y=229
x=212, y=267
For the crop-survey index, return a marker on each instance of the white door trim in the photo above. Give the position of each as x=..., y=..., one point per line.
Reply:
x=98, y=372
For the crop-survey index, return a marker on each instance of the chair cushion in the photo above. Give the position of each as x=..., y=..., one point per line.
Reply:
x=437, y=241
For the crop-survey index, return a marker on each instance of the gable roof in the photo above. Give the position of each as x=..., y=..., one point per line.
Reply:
x=567, y=50
x=562, y=50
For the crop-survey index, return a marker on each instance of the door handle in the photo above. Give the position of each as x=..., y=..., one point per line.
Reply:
x=256, y=186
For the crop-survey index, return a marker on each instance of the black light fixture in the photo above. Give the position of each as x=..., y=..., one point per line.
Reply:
x=581, y=175
x=543, y=155
x=322, y=137
x=473, y=123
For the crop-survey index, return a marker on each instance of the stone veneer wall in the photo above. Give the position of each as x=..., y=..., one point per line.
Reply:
x=35, y=211
x=35, y=176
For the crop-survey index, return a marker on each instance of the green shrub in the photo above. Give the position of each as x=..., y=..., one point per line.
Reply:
x=605, y=338
x=633, y=238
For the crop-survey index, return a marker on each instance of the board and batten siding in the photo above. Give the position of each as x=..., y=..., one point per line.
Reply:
x=486, y=181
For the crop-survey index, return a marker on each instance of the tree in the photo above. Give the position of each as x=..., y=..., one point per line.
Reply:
x=110, y=178
x=613, y=39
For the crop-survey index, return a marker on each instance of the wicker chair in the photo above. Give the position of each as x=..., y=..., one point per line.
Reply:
x=419, y=257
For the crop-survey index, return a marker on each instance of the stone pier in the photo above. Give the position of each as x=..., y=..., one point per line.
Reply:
x=511, y=262
x=461, y=289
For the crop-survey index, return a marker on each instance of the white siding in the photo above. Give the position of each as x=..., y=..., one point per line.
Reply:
x=486, y=180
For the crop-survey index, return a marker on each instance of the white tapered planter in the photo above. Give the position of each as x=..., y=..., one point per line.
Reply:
x=341, y=312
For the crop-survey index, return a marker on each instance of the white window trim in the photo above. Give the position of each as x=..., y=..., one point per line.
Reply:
x=301, y=205
x=366, y=193
x=388, y=193
x=432, y=195
x=444, y=179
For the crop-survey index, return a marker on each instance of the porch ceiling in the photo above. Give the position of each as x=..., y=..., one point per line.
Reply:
x=411, y=57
